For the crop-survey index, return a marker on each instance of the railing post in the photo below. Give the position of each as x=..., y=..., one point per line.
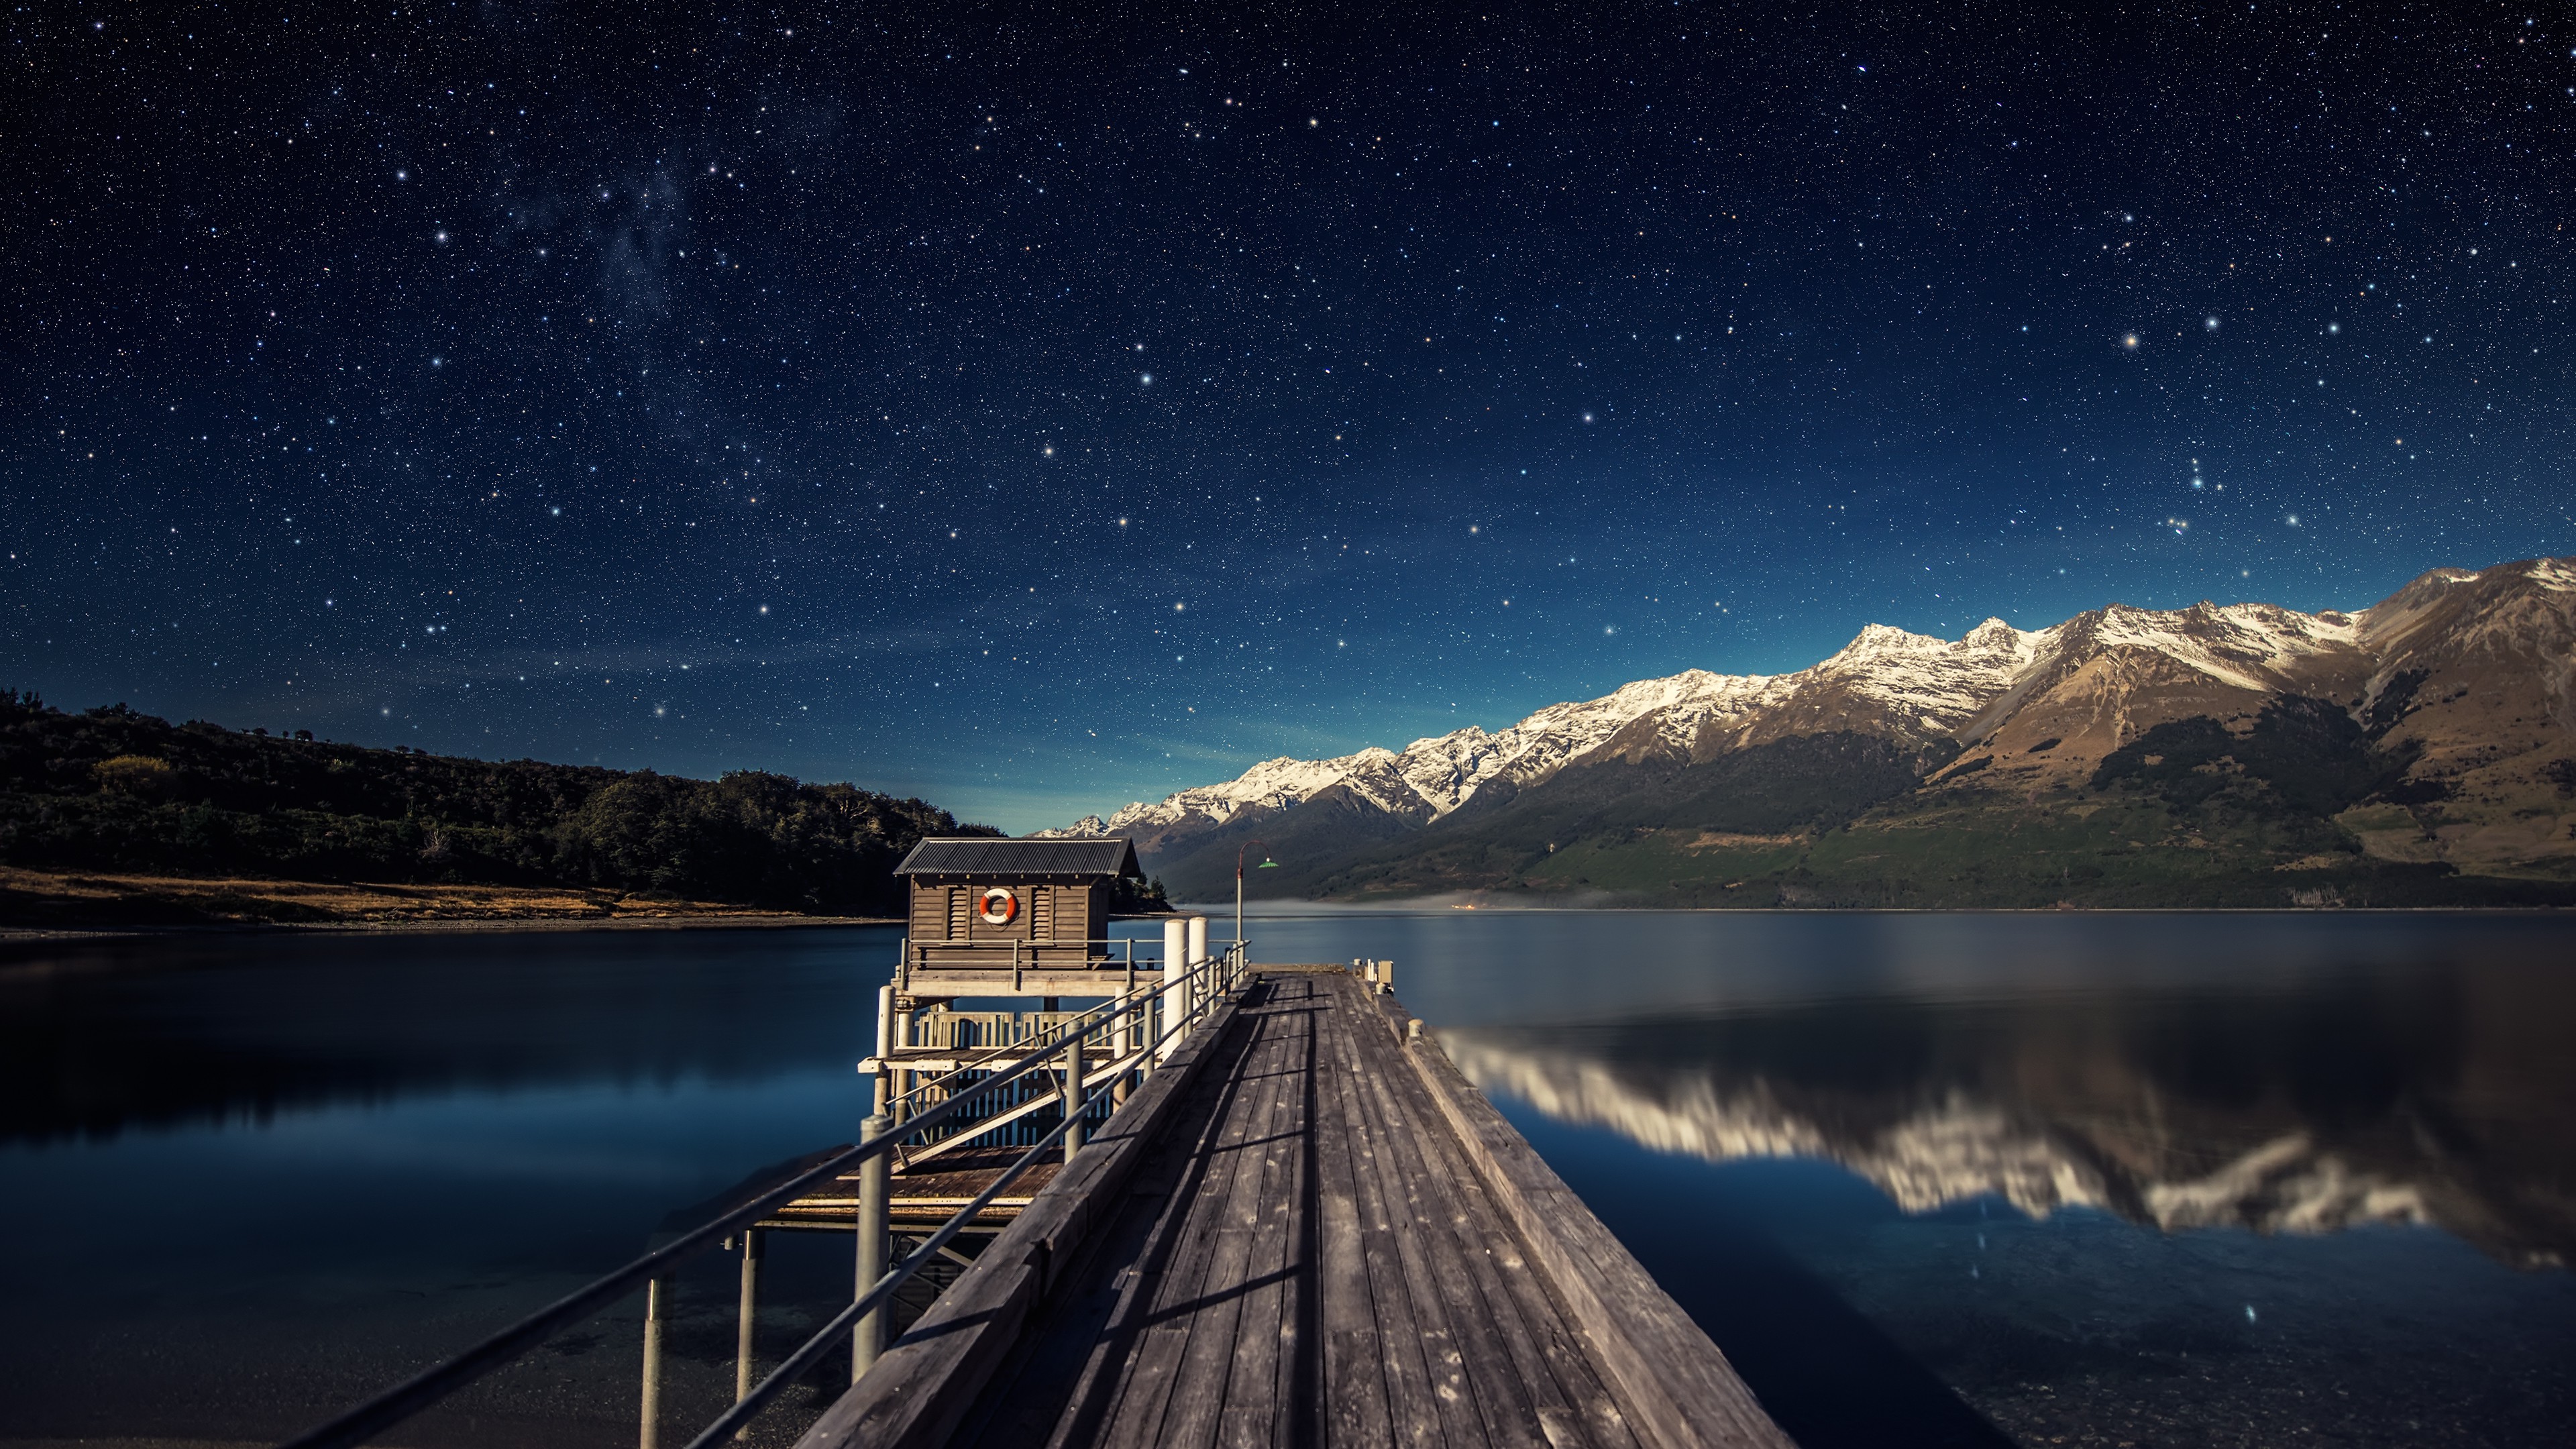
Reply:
x=875, y=1186
x=754, y=1244
x=1116, y=1035
x=650, y=1434
x=1176, y=989
x=1073, y=1091
x=1202, y=981
x=885, y=1046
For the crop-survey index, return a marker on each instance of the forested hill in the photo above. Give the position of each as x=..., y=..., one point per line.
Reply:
x=113, y=790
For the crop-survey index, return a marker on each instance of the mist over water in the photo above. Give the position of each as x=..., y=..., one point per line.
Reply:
x=2156, y=1179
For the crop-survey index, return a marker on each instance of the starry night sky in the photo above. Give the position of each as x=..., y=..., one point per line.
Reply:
x=1036, y=408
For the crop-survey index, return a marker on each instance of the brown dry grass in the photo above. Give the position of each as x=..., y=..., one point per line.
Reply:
x=103, y=900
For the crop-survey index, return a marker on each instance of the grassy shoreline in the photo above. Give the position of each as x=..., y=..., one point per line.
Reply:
x=38, y=904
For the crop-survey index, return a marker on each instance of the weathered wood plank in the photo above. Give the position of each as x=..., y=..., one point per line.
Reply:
x=1286, y=1267
x=1512, y=1399
x=1134, y=1274
x=1419, y=1360
x=1430, y=1232
x=1554, y=1392
x=1109, y=1311
x=1673, y=1384
x=1205, y=1390
x=1172, y=1317
x=923, y=1384
x=1356, y=1408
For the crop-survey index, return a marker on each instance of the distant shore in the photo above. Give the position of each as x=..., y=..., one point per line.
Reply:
x=82, y=905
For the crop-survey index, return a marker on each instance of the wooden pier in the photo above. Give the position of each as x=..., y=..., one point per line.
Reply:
x=1223, y=1205
x=1306, y=1228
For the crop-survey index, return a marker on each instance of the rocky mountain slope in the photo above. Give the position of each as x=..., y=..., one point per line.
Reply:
x=2243, y=754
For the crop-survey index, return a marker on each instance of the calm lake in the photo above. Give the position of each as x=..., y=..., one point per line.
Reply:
x=1927, y=1179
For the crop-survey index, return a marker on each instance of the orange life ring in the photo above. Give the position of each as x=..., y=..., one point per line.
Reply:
x=1001, y=907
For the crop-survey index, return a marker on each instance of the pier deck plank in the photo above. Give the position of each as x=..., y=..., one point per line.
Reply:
x=1308, y=1232
x=1320, y=1270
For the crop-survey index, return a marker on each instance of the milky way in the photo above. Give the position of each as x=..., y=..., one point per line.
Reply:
x=1037, y=409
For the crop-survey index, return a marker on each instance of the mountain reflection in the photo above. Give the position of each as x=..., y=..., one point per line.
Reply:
x=2437, y=1098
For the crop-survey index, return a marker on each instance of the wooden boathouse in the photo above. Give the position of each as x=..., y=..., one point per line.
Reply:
x=1224, y=1204
x=1038, y=909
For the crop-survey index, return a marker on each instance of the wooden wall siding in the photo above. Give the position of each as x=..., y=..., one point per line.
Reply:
x=1058, y=913
x=983, y=930
x=929, y=914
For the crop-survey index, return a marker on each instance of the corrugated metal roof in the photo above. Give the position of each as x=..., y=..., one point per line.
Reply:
x=1112, y=856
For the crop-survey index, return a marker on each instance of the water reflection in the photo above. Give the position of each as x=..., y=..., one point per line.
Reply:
x=98, y=1040
x=301, y=1167
x=2299, y=1105
x=2236, y=1141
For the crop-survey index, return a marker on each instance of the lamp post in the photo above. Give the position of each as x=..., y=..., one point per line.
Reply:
x=1266, y=864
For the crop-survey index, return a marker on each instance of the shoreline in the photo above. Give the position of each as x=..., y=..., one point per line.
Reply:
x=738, y=920
x=65, y=906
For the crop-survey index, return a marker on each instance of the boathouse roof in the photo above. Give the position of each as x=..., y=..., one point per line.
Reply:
x=1110, y=856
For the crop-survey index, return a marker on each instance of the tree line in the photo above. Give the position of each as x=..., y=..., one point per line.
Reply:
x=112, y=789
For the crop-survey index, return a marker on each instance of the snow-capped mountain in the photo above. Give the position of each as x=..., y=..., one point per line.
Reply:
x=2033, y=710
x=1433, y=776
x=1885, y=681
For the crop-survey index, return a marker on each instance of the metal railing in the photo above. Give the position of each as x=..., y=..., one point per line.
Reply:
x=1187, y=994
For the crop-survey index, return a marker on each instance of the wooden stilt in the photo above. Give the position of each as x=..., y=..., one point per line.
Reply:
x=656, y=1300
x=868, y=1339
x=754, y=1243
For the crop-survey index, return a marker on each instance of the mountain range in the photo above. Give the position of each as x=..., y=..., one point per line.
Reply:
x=2419, y=751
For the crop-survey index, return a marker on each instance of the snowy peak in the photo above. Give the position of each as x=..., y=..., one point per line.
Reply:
x=2104, y=673
x=2248, y=646
x=1922, y=683
x=1431, y=776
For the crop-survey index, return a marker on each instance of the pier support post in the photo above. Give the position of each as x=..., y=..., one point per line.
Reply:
x=755, y=1244
x=657, y=1295
x=1176, y=992
x=875, y=1186
x=1073, y=1092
